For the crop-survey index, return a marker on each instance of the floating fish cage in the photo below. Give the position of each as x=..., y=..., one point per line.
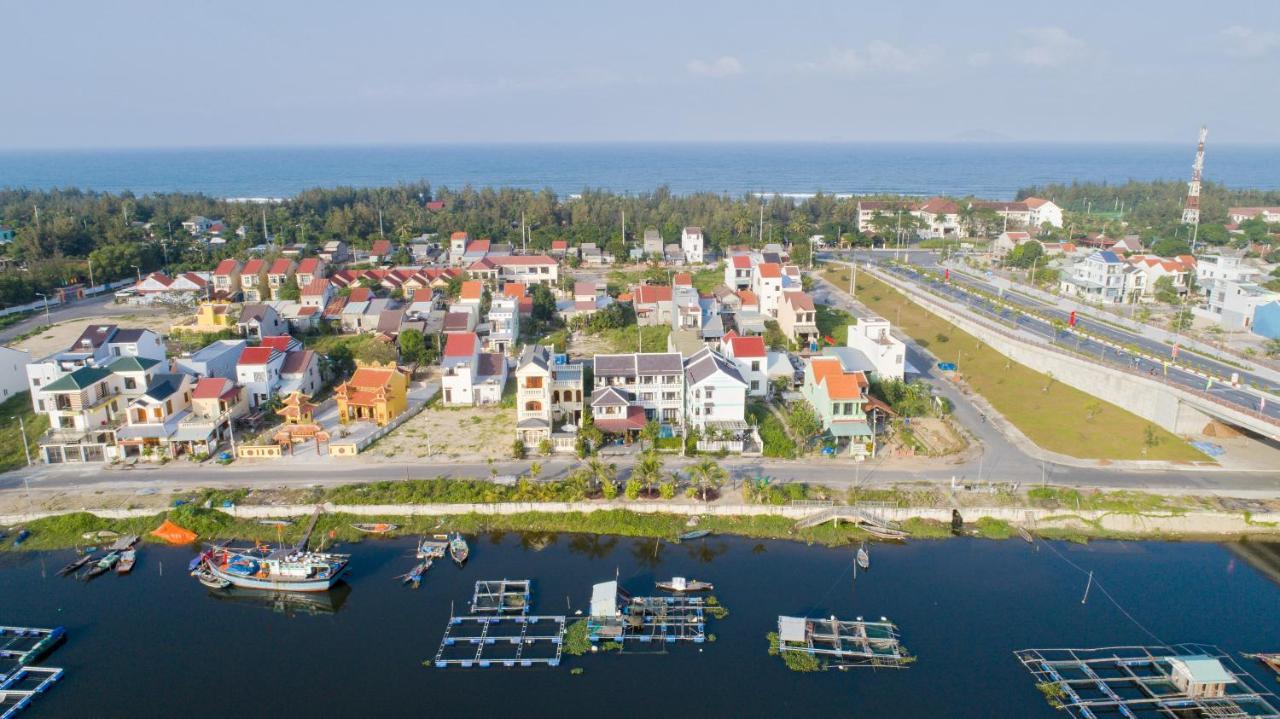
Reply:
x=502, y=641
x=501, y=596
x=21, y=683
x=1148, y=682
x=843, y=643
x=657, y=620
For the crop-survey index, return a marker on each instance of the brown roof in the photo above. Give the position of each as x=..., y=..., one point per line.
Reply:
x=799, y=300
x=297, y=361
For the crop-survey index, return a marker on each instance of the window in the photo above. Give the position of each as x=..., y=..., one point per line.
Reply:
x=755, y=385
x=755, y=365
x=130, y=383
x=533, y=383
x=533, y=406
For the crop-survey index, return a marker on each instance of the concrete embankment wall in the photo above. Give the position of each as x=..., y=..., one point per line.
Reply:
x=1150, y=399
x=1189, y=523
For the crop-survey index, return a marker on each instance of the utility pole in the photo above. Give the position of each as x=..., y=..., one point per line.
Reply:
x=760, y=229
x=380, y=232
x=46, y=305
x=524, y=242
x=22, y=426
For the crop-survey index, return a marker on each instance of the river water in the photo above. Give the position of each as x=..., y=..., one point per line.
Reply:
x=157, y=644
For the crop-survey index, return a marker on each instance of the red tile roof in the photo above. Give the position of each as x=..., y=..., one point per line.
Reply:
x=559, y=244
x=514, y=289
x=799, y=300
x=458, y=236
x=226, y=267
x=316, y=287
x=741, y=262
x=381, y=248
x=253, y=267
x=650, y=294
x=212, y=388
x=682, y=279
x=472, y=290
x=747, y=297
x=360, y=294
x=279, y=343
x=258, y=355
x=282, y=266
x=309, y=266
x=841, y=385
x=461, y=344
x=747, y=346
x=770, y=270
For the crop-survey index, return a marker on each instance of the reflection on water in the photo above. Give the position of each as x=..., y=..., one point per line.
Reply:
x=287, y=603
x=593, y=546
x=1262, y=556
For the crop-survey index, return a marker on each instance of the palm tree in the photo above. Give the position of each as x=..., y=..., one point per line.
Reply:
x=600, y=472
x=649, y=433
x=648, y=470
x=707, y=475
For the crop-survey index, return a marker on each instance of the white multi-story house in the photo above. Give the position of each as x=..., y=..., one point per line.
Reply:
x=1100, y=277
x=529, y=269
x=258, y=371
x=1151, y=269
x=85, y=407
x=737, y=272
x=13, y=371
x=1211, y=269
x=1042, y=212
x=504, y=324
x=1233, y=304
x=940, y=217
x=886, y=354
x=216, y=359
x=693, y=242
x=716, y=401
x=766, y=283
x=655, y=381
x=752, y=358
x=471, y=377
x=154, y=416
x=97, y=346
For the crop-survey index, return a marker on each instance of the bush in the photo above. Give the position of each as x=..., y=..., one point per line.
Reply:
x=609, y=490
x=634, y=486
x=517, y=449
x=667, y=490
x=545, y=448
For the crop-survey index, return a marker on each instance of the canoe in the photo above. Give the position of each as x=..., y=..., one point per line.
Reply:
x=210, y=580
x=458, y=549
x=100, y=535
x=103, y=566
x=864, y=559
x=379, y=528
x=680, y=584
x=695, y=534
x=77, y=564
x=884, y=532
x=1022, y=532
x=414, y=576
x=127, y=560
x=275, y=522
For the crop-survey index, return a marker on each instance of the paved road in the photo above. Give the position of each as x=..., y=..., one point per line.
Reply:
x=1018, y=317
x=102, y=305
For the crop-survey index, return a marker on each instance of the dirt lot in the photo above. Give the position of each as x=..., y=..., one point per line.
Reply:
x=61, y=335
x=453, y=433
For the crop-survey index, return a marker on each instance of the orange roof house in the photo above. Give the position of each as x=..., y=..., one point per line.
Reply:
x=375, y=393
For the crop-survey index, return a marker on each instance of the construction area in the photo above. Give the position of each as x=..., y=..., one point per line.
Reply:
x=21, y=683
x=499, y=632
x=842, y=643
x=1148, y=682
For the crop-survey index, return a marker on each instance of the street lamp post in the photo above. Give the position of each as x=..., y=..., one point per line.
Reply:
x=46, y=305
x=138, y=270
x=22, y=426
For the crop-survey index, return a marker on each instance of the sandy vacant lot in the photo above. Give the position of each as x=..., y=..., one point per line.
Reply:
x=451, y=433
x=61, y=335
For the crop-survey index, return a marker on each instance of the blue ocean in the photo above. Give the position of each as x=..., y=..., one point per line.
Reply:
x=988, y=170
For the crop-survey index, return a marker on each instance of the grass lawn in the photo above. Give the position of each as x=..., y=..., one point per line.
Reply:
x=624, y=339
x=1055, y=416
x=11, y=455
x=833, y=322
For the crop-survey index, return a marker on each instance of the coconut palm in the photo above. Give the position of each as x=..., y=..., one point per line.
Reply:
x=707, y=475
x=648, y=470
x=601, y=472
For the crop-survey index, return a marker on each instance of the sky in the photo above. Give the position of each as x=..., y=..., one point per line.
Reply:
x=195, y=73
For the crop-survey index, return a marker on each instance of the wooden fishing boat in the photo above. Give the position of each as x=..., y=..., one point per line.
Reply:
x=695, y=534
x=275, y=522
x=414, y=576
x=100, y=535
x=884, y=532
x=103, y=566
x=1026, y=536
x=73, y=567
x=1271, y=660
x=210, y=580
x=458, y=549
x=863, y=558
x=377, y=528
x=290, y=570
x=127, y=559
x=680, y=585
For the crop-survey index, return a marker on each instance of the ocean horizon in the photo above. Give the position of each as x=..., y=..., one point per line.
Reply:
x=995, y=170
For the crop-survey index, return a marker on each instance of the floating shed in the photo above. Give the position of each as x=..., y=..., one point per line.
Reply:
x=843, y=642
x=1148, y=682
x=616, y=616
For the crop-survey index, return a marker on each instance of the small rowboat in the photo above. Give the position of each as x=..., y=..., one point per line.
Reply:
x=21, y=537
x=127, y=560
x=1026, y=536
x=275, y=522
x=863, y=558
x=100, y=535
x=458, y=549
x=378, y=528
x=680, y=584
x=103, y=566
x=884, y=532
x=210, y=580
x=414, y=576
x=695, y=534
x=77, y=564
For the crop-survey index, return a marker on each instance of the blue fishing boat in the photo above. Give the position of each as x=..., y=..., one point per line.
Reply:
x=289, y=570
x=458, y=549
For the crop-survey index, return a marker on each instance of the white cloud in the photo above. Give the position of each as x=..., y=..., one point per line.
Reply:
x=877, y=56
x=1050, y=46
x=725, y=66
x=1241, y=41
